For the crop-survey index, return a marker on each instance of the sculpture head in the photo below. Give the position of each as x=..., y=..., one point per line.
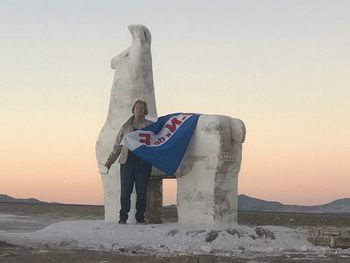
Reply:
x=141, y=43
x=133, y=77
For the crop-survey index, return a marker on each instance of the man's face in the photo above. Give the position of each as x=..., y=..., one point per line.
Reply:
x=139, y=110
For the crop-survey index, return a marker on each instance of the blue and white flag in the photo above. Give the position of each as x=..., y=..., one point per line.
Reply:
x=163, y=143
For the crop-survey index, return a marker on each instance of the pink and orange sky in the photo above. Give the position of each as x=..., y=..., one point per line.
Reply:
x=280, y=66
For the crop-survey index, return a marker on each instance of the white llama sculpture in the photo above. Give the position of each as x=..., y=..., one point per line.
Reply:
x=207, y=176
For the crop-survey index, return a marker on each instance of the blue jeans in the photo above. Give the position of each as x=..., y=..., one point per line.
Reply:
x=135, y=172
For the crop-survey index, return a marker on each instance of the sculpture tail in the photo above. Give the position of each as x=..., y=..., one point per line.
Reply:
x=238, y=130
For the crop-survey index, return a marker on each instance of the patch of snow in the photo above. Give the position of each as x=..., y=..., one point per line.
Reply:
x=162, y=238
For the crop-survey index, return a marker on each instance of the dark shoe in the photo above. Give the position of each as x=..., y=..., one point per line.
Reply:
x=122, y=222
x=142, y=222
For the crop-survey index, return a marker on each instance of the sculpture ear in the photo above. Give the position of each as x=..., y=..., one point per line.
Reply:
x=147, y=34
x=131, y=29
x=140, y=33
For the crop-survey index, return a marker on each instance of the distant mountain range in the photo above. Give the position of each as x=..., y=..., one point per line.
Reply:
x=9, y=199
x=246, y=203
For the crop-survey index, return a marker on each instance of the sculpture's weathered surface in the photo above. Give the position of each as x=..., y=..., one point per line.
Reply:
x=207, y=176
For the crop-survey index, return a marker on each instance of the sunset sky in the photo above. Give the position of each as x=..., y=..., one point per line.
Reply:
x=283, y=67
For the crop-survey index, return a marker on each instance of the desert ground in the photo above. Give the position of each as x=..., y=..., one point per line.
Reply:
x=29, y=218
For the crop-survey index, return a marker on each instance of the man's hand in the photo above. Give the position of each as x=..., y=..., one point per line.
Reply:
x=108, y=164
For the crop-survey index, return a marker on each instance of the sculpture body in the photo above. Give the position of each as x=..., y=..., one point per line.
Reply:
x=207, y=176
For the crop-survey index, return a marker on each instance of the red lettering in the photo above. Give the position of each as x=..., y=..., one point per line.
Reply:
x=145, y=138
x=168, y=135
x=174, y=123
x=159, y=140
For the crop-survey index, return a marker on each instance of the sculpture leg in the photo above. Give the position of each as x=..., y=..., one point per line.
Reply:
x=111, y=186
x=154, y=211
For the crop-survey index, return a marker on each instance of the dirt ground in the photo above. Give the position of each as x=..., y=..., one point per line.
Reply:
x=28, y=217
x=12, y=254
